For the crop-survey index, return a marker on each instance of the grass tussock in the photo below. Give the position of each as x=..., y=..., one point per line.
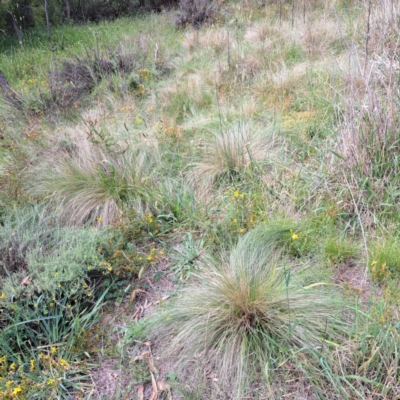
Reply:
x=90, y=182
x=231, y=152
x=248, y=309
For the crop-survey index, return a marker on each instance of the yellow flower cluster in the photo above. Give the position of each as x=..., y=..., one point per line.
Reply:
x=238, y=195
x=145, y=74
x=16, y=384
x=174, y=132
x=380, y=271
x=154, y=255
x=141, y=90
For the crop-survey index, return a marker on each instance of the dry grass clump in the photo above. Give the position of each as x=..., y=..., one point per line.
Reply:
x=319, y=36
x=92, y=180
x=260, y=34
x=216, y=38
x=245, y=311
x=366, y=153
x=230, y=152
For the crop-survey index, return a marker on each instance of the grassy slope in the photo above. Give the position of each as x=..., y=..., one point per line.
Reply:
x=255, y=69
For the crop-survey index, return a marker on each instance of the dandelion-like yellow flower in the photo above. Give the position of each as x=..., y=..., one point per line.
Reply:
x=32, y=365
x=13, y=367
x=17, y=390
x=50, y=382
x=373, y=263
x=295, y=236
x=100, y=220
x=236, y=194
x=89, y=295
x=53, y=350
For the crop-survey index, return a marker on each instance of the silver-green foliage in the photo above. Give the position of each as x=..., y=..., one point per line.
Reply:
x=33, y=245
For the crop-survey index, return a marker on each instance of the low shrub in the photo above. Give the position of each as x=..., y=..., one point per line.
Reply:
x=195, y=12
x=76, y=78
x=49, y=297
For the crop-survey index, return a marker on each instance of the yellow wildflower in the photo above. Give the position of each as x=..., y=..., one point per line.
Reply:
x=17, y=390
x=32, y=365
x=373, y=263
x=50, y=382
x=3, y=296
x=64, y=363
x=53, y=350
x=89, y=295
x=13, y=367
x=236, y=194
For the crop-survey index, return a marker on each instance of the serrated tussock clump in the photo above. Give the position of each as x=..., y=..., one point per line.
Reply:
x=229, y=153
x=247, y=309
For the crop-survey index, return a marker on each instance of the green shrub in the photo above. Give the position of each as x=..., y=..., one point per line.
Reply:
x=49, y=298
x=52, y=259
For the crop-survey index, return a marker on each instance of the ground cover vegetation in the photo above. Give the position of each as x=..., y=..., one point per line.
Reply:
x=199, y=200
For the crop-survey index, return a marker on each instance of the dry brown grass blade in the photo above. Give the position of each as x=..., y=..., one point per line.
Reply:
x=134, y=294
x=143, y=356
x=163, y=386
x=141, y=392
x=154, y=386
x=152, y=368
x=157, y=302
